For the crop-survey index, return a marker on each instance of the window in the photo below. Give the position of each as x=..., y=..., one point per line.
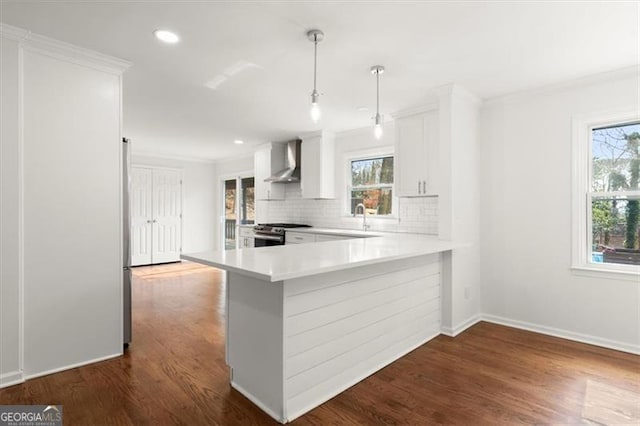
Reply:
x=615, y=201
x=371, y=183
x=239, y=207
x=607, y=194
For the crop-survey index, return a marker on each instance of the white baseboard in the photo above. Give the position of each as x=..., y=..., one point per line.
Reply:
x=453, y=332
x=257, y=402
x=10, y=379
x=563, y=334
x=69, y=367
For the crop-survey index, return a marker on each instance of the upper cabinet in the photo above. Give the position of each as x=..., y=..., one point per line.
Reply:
x=416, y=150
x=318, y=166
x=267, y=160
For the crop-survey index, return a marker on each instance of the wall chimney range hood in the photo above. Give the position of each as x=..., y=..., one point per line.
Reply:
x=291, y=172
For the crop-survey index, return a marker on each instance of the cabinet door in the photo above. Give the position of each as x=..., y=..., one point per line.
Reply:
x=318, y=167
x=417, y=155
x=410, y=155
x=299, y=238
x=261, y=170
x=431, y=146
x=320, y=238
x=166, y=216
x=141, y=215
x=264, y=162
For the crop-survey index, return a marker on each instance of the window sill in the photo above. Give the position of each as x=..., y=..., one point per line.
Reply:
x=630, y=274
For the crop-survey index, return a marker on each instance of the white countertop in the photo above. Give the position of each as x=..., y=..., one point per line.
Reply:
x=278, y=263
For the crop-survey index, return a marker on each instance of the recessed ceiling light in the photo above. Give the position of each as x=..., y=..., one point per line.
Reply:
x=166, y=36
x=238, y=142
x=363, y=108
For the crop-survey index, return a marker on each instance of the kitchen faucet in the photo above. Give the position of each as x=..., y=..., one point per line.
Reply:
x=364, y=215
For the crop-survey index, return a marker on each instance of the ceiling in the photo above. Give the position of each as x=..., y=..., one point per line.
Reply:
x=243, y=70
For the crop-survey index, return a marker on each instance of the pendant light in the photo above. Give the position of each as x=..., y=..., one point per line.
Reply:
x=315, y=36
x=378, y=120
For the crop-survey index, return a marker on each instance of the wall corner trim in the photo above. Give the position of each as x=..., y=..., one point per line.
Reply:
x=461, y=327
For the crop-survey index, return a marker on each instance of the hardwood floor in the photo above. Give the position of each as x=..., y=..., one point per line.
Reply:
x=174, y=373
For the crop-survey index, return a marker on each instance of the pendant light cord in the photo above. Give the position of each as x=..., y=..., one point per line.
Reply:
x=377, y=92
x=315, y=60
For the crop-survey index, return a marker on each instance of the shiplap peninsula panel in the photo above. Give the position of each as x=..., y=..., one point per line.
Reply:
x=294, y=344
x=343, y=326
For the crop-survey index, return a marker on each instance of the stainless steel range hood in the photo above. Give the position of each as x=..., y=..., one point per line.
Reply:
x=291, y=172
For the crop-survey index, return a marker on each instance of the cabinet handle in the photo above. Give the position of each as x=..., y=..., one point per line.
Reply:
x=419, y=192
x=424, y=186
x=268, y=193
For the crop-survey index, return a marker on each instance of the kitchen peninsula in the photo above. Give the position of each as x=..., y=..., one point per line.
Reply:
x=305, y=322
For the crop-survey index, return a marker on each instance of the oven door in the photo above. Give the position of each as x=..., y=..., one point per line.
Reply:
x=262, y=240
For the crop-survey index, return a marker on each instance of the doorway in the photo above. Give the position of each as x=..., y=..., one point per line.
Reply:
x=156, y=215
x=239, y=208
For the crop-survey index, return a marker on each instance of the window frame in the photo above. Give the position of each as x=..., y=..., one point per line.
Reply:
x=369, y=155
x=582, y=195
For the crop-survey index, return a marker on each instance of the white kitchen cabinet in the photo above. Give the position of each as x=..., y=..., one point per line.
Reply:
x=416, y=158
x=299, y=238
x=267, y=160
x=323, y=237
x=318, y=166
x=246, y=237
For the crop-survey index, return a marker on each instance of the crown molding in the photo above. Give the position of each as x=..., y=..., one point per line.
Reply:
x=173, y=157
x=241, y=157
x=618, y=74
x=417, y=109
x=64, y=51
x=13, y=33
x=317, y=134
x=455, y=90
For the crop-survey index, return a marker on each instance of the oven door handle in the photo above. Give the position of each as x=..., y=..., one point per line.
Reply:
x=268, y=237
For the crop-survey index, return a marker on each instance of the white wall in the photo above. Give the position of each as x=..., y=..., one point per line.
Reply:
x=10, y=364
x=72, y=214
x=61, y=206
x=526, y=218
x=232, y=167
x=199, y=199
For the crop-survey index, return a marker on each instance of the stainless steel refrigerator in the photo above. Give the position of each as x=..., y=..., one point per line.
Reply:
x=126, y=242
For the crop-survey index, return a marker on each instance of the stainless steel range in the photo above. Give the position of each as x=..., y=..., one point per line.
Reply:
x=272, y=234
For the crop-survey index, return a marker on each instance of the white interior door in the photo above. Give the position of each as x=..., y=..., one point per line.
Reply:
x=167, y=211
x=141, y=215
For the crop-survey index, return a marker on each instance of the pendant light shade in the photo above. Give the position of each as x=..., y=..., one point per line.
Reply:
x=315, y=36
x=378, y=119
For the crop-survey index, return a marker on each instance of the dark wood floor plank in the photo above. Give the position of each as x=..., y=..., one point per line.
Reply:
x=175, y=373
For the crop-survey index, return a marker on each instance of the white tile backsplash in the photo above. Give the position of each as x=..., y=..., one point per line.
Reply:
x=415, y=215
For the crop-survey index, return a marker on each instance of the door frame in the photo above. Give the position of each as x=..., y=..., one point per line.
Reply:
x=221, y=203
x=181, y=174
